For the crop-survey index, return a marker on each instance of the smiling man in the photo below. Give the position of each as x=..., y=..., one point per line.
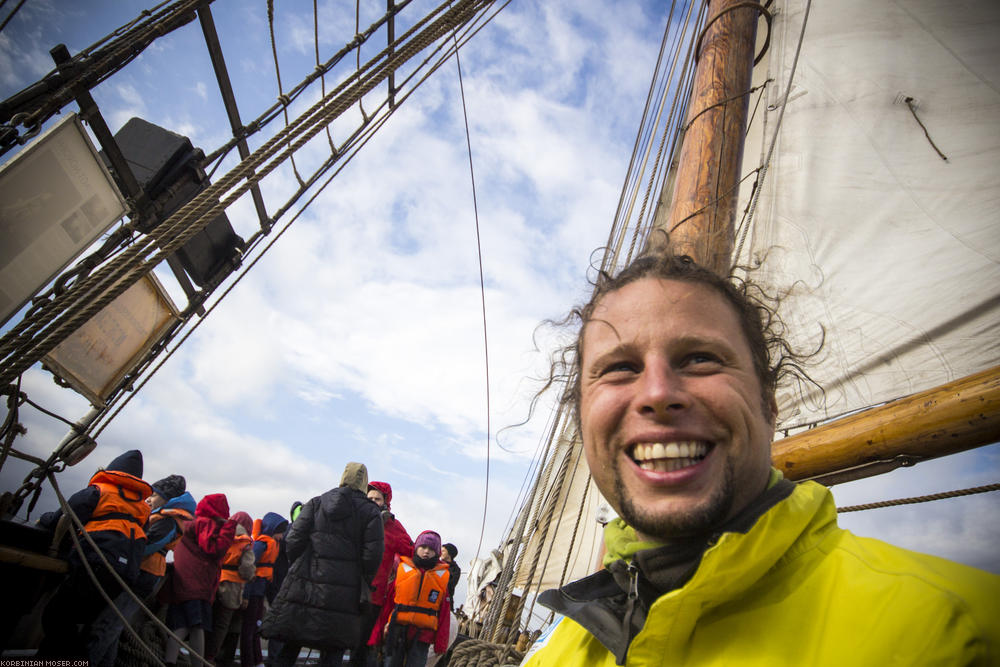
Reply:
x=716, y=559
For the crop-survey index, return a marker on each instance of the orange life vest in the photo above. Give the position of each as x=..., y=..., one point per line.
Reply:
x=419, y=593
x=156, y=562
x=231, y=561
x=265, y=566
x=121, y=506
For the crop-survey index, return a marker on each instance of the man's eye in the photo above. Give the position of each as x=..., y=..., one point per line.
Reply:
x=699, y=358
x=619, y=367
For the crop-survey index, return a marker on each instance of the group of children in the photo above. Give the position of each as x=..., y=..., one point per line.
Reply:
x=222, y=565
x=225, y=566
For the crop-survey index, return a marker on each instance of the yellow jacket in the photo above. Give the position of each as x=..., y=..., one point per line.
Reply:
x=796, y=589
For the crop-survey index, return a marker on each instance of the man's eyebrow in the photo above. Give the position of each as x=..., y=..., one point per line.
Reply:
x=689, y=340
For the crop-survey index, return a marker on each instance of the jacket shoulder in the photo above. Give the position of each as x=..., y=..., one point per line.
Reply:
x=924, y=583
x=566, y=642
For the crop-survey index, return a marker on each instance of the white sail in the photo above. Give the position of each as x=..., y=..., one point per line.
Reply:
x=898, y=249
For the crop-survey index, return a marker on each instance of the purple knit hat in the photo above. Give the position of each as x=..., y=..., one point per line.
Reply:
x=428, y=538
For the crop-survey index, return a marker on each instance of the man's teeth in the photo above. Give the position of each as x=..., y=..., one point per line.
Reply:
x=670, y=456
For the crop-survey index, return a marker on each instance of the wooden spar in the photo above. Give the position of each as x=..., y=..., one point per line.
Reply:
x=706, y=185
x=954, y=417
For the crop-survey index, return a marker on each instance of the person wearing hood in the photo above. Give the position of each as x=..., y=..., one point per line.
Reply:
x=238, y=568
x=267, y=535
x=113, y=511
x=335, y=547
x=197, y=564
x=397, y=544
x=172, y=507
x=417, y=613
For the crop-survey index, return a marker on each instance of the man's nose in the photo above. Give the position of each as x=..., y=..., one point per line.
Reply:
x=661, y=389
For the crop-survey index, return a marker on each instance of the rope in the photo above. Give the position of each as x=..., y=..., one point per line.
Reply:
x=27, y=343
x=11, y=426
x=345, y=152
x=93, y=65
x=670, y=130
x=320, y=70
x=682, y=83
x=479, y=653
x=913, y=110
x=11, y=15
x=739, y=5
x=482, y=289
x=762, y=171
x=282, y=98
x=921, y=499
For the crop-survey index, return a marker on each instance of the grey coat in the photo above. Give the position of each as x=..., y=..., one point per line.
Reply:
x=335, y=548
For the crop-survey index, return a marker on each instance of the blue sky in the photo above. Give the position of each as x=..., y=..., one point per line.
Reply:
x=360, y=335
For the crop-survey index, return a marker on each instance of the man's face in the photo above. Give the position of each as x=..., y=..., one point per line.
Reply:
x=376, y=497
x=673, y=425
x=445, y=556
x=155, y=501
x=425, y=552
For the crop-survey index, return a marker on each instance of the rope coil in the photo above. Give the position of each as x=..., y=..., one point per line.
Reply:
x=479, y=653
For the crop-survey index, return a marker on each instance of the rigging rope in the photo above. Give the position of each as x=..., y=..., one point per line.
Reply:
x=11, y=15
x=20, y=337
x=482, y=291
x=94, y=65
x=670, y=130
x=26, y=343
x=920, y=499
x=762, y=170
x=285, y=101
x=346, y=153
x=319, y=67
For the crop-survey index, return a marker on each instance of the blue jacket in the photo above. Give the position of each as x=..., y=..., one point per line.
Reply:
x=162, y=533
x=269, y=525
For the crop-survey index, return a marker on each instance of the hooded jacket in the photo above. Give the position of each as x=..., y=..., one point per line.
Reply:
x=265, y=551
x=113, y=510
x=164, y=530
x=198, y=556
x=793, y=589
x=397, y=544
x=335, y=546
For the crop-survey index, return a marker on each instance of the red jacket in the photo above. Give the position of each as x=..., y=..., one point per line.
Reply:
x=397, y=544
x=198, y=556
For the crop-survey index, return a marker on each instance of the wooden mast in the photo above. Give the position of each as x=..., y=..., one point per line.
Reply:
x=706, y=186
x=957, y=416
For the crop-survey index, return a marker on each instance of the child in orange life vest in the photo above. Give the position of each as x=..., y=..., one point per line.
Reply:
x=266, y=534
x=419, y=614
x=113, y=511
x=237, y=569
x=172, y=508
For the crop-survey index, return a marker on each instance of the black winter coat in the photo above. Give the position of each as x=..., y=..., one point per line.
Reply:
x=335, y=548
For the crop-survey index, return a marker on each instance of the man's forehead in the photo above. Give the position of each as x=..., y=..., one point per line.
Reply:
x=667, y=302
